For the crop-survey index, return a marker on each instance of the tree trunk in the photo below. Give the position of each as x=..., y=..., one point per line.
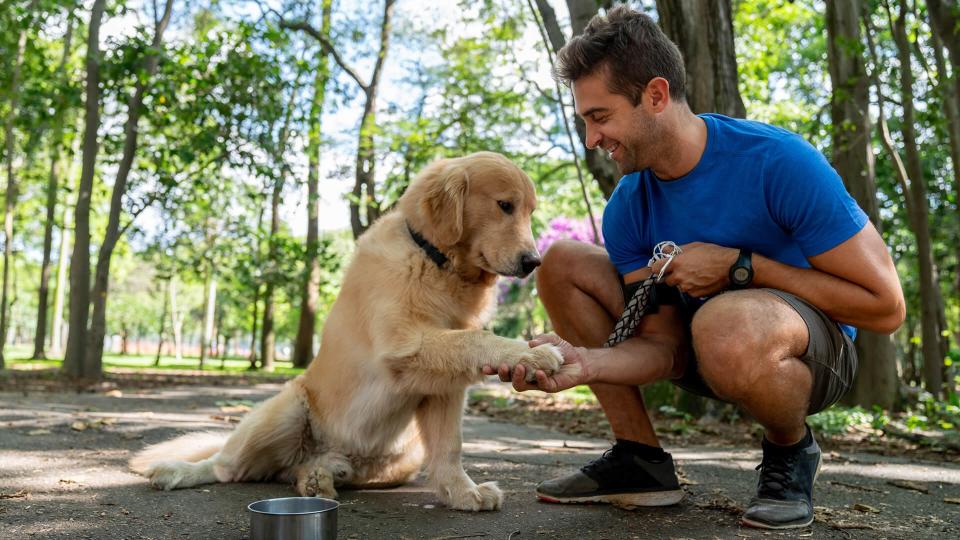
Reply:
x=946, y=25
x=602, y=168
x=176, y=322
x=163, y=323
x=101, y=286
x=876, y=380
x=703, y=29
x=210, y=297
x=268, y=341
x=303, y=347
x=255, y=321
x=56, y=339
x=704, y=33
x=364, y=203
x=920, y=215
x=10, y=206
x=75, y=364
x=53, y=187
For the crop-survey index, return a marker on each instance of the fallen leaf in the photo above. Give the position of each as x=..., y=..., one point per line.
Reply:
x=39, y=432
x=114, y=393
x=235, y=409
x=79, y=425
x=909, y=484
x=865, y=508
x=22, y=494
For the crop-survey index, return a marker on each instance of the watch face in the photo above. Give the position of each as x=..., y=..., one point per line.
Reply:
x=741, y=275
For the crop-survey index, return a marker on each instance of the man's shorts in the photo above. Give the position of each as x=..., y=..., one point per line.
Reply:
x=830, y=355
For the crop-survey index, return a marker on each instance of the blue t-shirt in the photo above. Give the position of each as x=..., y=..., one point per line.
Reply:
x=756, y=186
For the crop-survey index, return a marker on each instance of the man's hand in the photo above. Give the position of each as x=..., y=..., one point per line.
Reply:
x=572, y=372
x=700, y=270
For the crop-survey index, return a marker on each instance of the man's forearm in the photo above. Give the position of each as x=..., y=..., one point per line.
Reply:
x=841, y=300
x=636, y=361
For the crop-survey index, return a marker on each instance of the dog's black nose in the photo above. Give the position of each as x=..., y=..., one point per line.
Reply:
x=529, y=262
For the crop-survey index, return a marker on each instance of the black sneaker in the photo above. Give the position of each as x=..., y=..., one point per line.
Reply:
x=785, y=491
x=618, y=477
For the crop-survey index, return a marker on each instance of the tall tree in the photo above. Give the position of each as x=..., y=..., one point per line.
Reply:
x=945, y=21
x=703, y=30
x=53, y=188
x=101, y=284
x=364, y=207
x=74, y=362
x=10, y=205
x=931, y=300
x=303, y=346
x=601, y=167
x=876, y=382
x=268, y=339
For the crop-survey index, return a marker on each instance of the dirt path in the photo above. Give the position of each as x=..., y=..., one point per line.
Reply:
x=62, y=475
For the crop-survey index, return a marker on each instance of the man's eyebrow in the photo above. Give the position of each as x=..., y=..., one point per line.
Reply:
x=593, y=111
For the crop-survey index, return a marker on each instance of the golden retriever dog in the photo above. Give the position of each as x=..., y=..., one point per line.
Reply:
x=385, y=394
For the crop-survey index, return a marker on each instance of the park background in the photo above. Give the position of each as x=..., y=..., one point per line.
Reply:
x=184, y=180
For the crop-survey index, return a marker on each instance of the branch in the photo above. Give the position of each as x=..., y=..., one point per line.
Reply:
x=902, y=177
x=566, y=125
x=327, y=47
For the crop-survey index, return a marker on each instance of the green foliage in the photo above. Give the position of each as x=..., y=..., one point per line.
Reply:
x=837, y=420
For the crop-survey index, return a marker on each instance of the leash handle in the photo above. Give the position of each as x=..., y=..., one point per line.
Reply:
x=642, y=300
x=638, y=306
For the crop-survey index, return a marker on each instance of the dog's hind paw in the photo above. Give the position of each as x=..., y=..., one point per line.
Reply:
x=167, y=475
x=316, y=483
x=484, y=497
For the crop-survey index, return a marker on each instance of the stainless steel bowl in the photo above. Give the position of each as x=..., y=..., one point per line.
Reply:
x=293, y=518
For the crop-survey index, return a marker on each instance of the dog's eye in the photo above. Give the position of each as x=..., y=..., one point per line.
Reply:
x=506, y=206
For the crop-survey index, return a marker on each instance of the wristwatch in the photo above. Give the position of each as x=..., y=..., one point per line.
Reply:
x=741, y=273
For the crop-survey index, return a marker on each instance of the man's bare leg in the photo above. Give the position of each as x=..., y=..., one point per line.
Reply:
x=580, y=289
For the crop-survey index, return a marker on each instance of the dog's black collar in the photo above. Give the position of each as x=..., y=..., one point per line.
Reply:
x=431, y=250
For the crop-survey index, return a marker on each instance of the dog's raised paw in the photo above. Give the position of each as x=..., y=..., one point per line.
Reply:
x=546, y=357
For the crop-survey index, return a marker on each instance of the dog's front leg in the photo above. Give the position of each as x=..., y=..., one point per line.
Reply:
x=436, y=361
x=439, y=419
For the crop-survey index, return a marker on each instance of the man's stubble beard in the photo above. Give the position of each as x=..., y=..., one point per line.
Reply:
x=644, y=143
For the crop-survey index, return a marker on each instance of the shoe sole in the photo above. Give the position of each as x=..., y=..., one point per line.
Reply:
x=622, y=500
x=760, y=525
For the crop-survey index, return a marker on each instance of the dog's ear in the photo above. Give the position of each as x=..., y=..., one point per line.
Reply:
x=444, y=200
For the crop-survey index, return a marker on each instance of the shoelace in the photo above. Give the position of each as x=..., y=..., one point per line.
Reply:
x=776, y=475
x=601, y=465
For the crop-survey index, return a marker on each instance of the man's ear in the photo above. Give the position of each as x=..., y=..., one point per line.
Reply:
x=444, y=199
x=658, y=92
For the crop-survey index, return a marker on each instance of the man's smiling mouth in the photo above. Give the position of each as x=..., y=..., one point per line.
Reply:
x=611, y=149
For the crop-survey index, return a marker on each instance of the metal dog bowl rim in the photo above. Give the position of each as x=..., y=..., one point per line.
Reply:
x=335, y=506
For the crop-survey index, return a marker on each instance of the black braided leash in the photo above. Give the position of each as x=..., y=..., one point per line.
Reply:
x=643, y=300
x=638, y=306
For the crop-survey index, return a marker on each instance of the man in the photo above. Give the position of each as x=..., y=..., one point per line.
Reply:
x=762, y=218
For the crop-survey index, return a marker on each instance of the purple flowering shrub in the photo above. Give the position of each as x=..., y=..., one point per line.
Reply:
x=517, y=307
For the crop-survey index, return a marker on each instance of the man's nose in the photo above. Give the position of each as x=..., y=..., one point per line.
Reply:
x=593, y=137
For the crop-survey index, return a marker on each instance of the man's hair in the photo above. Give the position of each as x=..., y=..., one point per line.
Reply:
x=633, y=50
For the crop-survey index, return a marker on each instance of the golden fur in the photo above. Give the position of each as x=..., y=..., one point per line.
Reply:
x=402, y=342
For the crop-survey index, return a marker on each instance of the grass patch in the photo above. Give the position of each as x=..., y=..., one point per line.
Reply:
x=19, y=358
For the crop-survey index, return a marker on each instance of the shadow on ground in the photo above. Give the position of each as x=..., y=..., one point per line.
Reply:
x=63, y=475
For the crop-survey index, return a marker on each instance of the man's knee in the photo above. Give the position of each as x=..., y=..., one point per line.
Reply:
x=557, y=264
x=731, y=343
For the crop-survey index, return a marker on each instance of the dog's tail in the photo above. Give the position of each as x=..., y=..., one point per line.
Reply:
x=192, y=447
